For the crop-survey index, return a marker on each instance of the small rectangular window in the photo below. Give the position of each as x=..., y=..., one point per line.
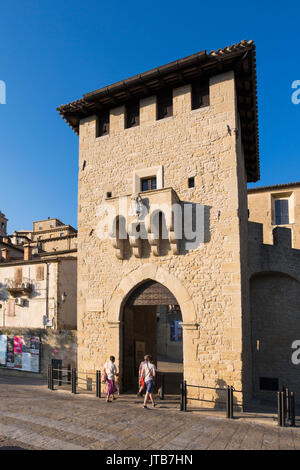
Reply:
x=11, y=310
x=40, y=273
x=200, y=94
x=102, y=124
x=281, y=211
x=268, y=383
x=191, y=182
x=132, y=114
x=18, y=274
x=175, y=331
x=148, y=183
x=165, y=104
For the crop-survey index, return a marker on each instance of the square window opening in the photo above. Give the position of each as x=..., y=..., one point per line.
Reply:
x=191, y=182
x=132, y=114
x=269, y=383
x=164, y=104
x=281, y=211
x=200, y=94
x=102, y=124
x=147, y=184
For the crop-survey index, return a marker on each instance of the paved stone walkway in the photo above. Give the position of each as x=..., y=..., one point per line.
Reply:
x=32, y=417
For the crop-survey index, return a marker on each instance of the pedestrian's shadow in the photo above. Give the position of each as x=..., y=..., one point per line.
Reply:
x=12, y=448
x=221, y=399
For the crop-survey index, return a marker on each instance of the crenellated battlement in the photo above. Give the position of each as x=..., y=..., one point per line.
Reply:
x=276, y=257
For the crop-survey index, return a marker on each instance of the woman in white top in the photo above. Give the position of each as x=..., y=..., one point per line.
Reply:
x=111, y=371
x=148, y=373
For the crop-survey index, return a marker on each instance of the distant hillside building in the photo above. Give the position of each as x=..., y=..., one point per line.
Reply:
x=3, y=224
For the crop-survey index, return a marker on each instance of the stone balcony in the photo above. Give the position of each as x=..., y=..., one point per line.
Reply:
x=16, y=289
x=146, y=217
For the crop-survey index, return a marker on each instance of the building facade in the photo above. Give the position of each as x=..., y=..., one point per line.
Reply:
x=276, y=206
x=38, y=277
x=274, y=277
x=183, y=133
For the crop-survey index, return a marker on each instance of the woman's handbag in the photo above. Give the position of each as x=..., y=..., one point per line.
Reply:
x=104, y=377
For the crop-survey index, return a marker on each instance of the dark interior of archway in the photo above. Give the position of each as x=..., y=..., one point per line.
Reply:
x=151, y=325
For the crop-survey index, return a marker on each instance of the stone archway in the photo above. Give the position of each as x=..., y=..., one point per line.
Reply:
x=152, y=272
x=144, y=273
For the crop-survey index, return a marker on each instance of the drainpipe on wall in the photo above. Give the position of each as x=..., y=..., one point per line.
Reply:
x=47, y=293
x=3, y=314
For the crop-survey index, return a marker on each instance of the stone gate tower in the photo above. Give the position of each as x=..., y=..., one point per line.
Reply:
x=183, y=133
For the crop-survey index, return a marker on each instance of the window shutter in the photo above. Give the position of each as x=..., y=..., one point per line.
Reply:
x=200, y=94
x=40, y=273
x=133, y=114
x=165, y=104
x=11, y=309
x=102, y=125
x=18, y=275
x=282, y=211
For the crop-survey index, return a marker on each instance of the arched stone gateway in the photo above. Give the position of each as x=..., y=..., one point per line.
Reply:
x=145, y=273
x=145, y=309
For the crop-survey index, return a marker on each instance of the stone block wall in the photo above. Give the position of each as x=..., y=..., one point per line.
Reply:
x=274, y=276
x=207, y=282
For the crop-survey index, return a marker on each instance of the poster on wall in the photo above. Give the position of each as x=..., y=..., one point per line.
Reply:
x=10, y=358
x=35, y=363
x=20, y=352
x=3, y=349
x=26, y=361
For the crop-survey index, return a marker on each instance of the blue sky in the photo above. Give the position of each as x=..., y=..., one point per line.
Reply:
x=53, y=51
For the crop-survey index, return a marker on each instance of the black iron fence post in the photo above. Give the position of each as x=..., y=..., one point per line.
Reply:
x=279, y=411
x=282, y=409
x=51, y=378
x=185, y=395
x=48, y=377
x=231, y=402
x=181, y=396
x=74, y=380
x=69, y=374
x=292, y=409
x=162, y=386
x=288, y=402
x=98, y=383
x=228, y=399
x=60, y=375
x=286, y=392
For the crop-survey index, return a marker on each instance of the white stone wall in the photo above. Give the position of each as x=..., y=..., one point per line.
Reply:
x=34, y=311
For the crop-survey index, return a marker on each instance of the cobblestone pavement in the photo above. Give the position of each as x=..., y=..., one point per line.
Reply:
x=33, y=417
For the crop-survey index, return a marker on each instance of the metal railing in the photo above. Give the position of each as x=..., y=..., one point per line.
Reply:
x=285, y=402
x=286, y=408
x=76, y=380
x=229, y=402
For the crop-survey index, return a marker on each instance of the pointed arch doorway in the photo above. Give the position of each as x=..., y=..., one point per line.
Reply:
x=152, y=325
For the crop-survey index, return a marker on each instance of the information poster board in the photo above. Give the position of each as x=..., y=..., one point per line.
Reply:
x=20, y=352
